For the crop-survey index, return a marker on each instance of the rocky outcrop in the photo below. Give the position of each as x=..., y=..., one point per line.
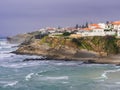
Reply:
x=56, y=48
x=88, y=49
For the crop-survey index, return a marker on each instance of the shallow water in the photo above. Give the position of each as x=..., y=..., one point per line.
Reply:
x=53, y=75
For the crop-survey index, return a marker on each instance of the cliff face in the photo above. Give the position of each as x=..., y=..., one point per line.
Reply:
x=103, y=45
x=62, y=46
x=71, y=48
x=88, y=49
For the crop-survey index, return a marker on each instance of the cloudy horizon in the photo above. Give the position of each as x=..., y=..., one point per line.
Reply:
x=30, y=15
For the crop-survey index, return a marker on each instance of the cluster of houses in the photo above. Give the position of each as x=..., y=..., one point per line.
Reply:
x=100, y=29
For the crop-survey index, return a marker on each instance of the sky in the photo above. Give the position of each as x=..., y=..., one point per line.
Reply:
x=20, y=16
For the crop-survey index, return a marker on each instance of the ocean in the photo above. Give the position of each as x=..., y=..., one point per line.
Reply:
x=53, y=75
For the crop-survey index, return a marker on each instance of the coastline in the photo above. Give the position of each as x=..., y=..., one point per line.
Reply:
x=82, y=49
x=113, y=59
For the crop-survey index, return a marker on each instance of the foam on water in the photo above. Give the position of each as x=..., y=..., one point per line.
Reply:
x=5, y=44
x=65, y=82
x=5, y=49
x=11, y=84
x=8, y=83
x=19, y=64
x=29, y=76
x=57, y=78
x=46, y=78
x=71, y=63
x=5, y=55
x=41, y=77
x=104, y=75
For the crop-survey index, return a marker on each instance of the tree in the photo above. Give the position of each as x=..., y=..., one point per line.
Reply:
x=83, y=26
x=59, y=27
x=77, y=26
x=110, y=45
x=80, y=26
x=66, y=34
x=86, y=25
x=107, y=22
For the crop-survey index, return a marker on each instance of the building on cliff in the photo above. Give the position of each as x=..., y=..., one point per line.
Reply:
x=101, y=29
x=116, y=27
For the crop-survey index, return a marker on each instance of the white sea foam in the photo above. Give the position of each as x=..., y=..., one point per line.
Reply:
x=5, y=45
x=104, y=75
x=5, y=55
x=95, y=65
x=20, y=64
x=4, y=42
x=8, y=83
x=5, y=49
x=29, y=76
x=11, y=83
x=65, y=82
x=63, y=63
x=55, y=78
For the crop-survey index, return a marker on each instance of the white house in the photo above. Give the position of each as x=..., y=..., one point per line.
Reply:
x=51, y=30
x=92, y=26
x=116, y=27
x=98, y=32
x=102, y=25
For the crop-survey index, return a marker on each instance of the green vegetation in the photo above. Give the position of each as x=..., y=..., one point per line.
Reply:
x=107, y=44
x=111, y=45
x=66, y=34
x=57, y=42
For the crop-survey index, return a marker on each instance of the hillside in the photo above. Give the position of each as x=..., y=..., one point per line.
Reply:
x=85, y=48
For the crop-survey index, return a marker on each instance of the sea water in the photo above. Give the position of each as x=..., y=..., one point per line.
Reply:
x=53, y=75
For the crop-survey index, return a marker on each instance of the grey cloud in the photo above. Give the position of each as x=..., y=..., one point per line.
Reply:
x=18, y=16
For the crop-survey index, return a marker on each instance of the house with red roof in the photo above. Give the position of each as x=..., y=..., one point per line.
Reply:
x=96, y=30
x=116, y=27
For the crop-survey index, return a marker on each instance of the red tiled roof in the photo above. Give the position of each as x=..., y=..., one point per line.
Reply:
x=116, y=23
x=97, y=28
x=93, y=25
x=88, y=29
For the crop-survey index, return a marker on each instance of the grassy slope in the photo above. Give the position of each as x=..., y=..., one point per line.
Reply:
x=102, y=45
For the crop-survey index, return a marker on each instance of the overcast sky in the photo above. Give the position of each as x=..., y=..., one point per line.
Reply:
x=19, y=16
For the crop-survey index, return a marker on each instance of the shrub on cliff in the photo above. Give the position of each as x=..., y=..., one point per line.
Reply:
x=111, y=45
x=100, y=44
x=76, y=41
x=66, y=34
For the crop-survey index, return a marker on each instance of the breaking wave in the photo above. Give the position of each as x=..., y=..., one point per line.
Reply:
x=104, y=74
x=8, y=83
x=29, y=76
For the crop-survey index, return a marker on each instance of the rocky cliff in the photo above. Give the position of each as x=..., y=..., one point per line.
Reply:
x=89, y=49
x=62, y=47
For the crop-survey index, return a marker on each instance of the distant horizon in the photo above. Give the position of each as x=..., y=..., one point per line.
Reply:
x=30, y=15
